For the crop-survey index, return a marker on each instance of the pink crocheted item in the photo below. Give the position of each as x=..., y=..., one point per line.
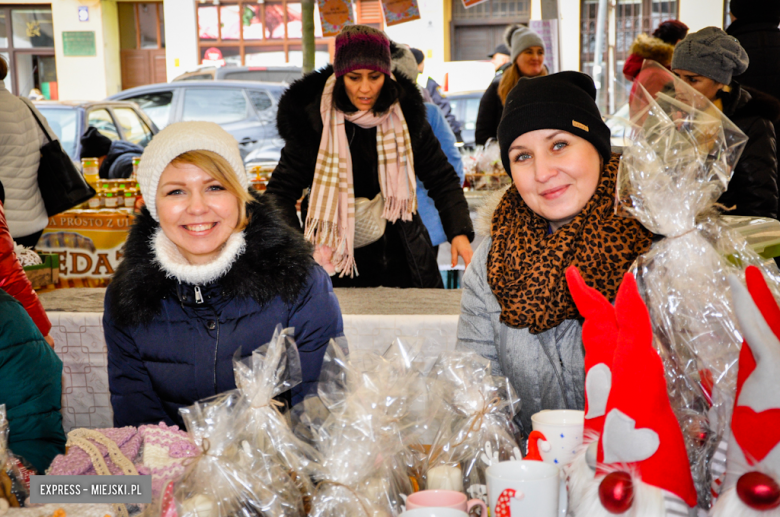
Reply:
x=77, y=462
x=166, y=450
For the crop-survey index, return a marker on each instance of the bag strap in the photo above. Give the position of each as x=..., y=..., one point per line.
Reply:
x=38, y=121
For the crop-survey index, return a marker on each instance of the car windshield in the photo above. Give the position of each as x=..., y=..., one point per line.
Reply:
x=65, y=123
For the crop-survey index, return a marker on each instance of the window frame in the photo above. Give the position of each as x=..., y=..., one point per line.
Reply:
x=147, y=130
x=107, y=109
x=12, y=51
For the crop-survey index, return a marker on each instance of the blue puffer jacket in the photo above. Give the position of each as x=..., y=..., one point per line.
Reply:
x=166, y=350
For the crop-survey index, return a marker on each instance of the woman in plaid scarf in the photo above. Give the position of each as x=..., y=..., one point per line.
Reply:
x=354, y=130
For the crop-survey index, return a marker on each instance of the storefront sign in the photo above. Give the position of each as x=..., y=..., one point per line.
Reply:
x=472, y=3
x=400, y=11
x=89, y=243
x=78, y=43
x=83, y=13
x=334, y=15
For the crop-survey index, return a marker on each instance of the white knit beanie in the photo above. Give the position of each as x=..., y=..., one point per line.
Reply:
x=177, y=139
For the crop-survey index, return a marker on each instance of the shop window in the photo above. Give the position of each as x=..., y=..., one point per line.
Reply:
x=221, y=105
x=27, y=46
x=268, y=33
x=101, y=120
x=32, y=28
x=3, y=30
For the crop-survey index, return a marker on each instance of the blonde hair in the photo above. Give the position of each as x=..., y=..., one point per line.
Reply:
x=216, y=166
x=509, y=79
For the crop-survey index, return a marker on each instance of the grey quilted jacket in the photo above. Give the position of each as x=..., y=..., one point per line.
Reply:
x=546, y=370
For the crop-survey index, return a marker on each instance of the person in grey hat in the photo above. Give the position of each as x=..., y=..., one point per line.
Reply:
x=708, y=60
x=526, y=55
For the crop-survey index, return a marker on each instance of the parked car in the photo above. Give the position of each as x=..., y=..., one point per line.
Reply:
x=269, y=74
x=465, y=107
x=115, y=119
x=246, y=110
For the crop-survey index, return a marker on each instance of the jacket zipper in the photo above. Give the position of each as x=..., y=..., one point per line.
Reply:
x=198, y=295
x=216, y=350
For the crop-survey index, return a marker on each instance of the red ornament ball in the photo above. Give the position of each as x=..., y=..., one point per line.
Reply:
x=758, y=491
x=616, y=492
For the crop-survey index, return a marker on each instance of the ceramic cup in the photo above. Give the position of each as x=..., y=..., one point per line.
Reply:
x=526, y=488
x=434, y=512
x=443, y=499
x=562, y=429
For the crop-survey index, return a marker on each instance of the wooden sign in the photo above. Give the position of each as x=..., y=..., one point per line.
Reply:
x=400, y=11
x=334, y=15
x=472, y=3
x=78, y=43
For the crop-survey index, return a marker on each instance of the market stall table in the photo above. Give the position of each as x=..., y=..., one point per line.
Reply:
x=372, y=319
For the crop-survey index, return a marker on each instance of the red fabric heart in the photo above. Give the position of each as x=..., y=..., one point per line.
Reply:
x=756, y=433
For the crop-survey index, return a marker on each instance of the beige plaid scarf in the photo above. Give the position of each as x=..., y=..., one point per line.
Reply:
x=331, y=218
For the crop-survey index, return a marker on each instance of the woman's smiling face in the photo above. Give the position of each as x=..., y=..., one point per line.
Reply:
x=363, y=87
x=555, y=172
x=196, y=212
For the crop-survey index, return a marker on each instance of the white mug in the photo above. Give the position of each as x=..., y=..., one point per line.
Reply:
x=524, y=488
x=434, y=512
x=562, y=429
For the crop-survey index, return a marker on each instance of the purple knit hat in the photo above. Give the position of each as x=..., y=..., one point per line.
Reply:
x=361, y=46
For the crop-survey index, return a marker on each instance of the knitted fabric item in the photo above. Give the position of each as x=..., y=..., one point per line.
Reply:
x=712, y=53
x=361, y=47
x=77, y=462
x=518, y=38
x=179, y=138
x=165, y=454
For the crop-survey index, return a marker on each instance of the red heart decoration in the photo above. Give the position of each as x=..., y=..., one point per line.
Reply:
x=756, y=433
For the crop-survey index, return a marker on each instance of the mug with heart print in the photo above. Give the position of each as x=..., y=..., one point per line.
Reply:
x=434, y=512
x=443, y=499
x=562, y=430
x=524, y=488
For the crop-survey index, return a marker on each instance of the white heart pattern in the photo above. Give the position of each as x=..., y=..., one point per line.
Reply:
x=597, y=385
x=623, y=443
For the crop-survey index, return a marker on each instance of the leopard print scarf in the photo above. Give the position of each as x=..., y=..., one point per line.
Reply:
x=526, y=265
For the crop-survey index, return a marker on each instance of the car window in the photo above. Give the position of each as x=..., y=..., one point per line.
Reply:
x=261, y=100
x=102, y=121
x=65, y=124
x=220, y=105
x=472, y=108
x=270, y=76
x=133, y=127
x=198, y=77
x=157, y=106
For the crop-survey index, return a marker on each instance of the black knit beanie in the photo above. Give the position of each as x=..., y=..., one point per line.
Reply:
x=756, y=10
x=94, y=144
x=566, y=100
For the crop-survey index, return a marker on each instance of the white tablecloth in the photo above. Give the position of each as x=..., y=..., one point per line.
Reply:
x=79, y=342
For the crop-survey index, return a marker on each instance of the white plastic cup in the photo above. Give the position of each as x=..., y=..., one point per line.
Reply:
x=562, y=429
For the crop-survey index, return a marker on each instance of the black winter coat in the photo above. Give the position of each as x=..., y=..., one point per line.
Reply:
x=754, y=185
x=404, y=256
x=489, y=115
x=761, y=41
x=166, y=350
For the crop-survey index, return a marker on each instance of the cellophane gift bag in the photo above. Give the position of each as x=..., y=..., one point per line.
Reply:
x=359, y=430
x=679, y=156
x=220, y=482
x=477, y=429
x=270, y=371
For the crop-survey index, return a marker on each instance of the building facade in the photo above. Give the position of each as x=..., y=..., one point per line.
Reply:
x=89, y=49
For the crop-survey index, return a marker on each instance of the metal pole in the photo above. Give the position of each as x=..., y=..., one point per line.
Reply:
x=598, y=52
x=611, y=55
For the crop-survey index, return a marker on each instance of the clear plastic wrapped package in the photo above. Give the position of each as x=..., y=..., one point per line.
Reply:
x=360, y=432
x=220, y=482
x=483, y=168
x=477, y=429
x=271, y=445
x=680, y=155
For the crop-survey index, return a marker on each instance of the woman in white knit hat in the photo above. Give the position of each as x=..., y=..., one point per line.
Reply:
x=208, y=269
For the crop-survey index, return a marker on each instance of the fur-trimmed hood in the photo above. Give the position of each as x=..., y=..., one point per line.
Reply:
x=299, y=121
x=276, y=262
x=649, y=47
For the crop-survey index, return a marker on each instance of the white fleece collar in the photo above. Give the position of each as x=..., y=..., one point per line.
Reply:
x=173, y=263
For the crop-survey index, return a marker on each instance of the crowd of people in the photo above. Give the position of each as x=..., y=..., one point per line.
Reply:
x=210, y=269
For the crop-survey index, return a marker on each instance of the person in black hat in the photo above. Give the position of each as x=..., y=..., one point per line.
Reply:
x=114, y=156
x=559, y=212
x=755, y=25
x=500, y=58
x=434, y=92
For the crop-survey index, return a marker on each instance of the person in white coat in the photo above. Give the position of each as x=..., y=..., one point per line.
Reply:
x=20, y=142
